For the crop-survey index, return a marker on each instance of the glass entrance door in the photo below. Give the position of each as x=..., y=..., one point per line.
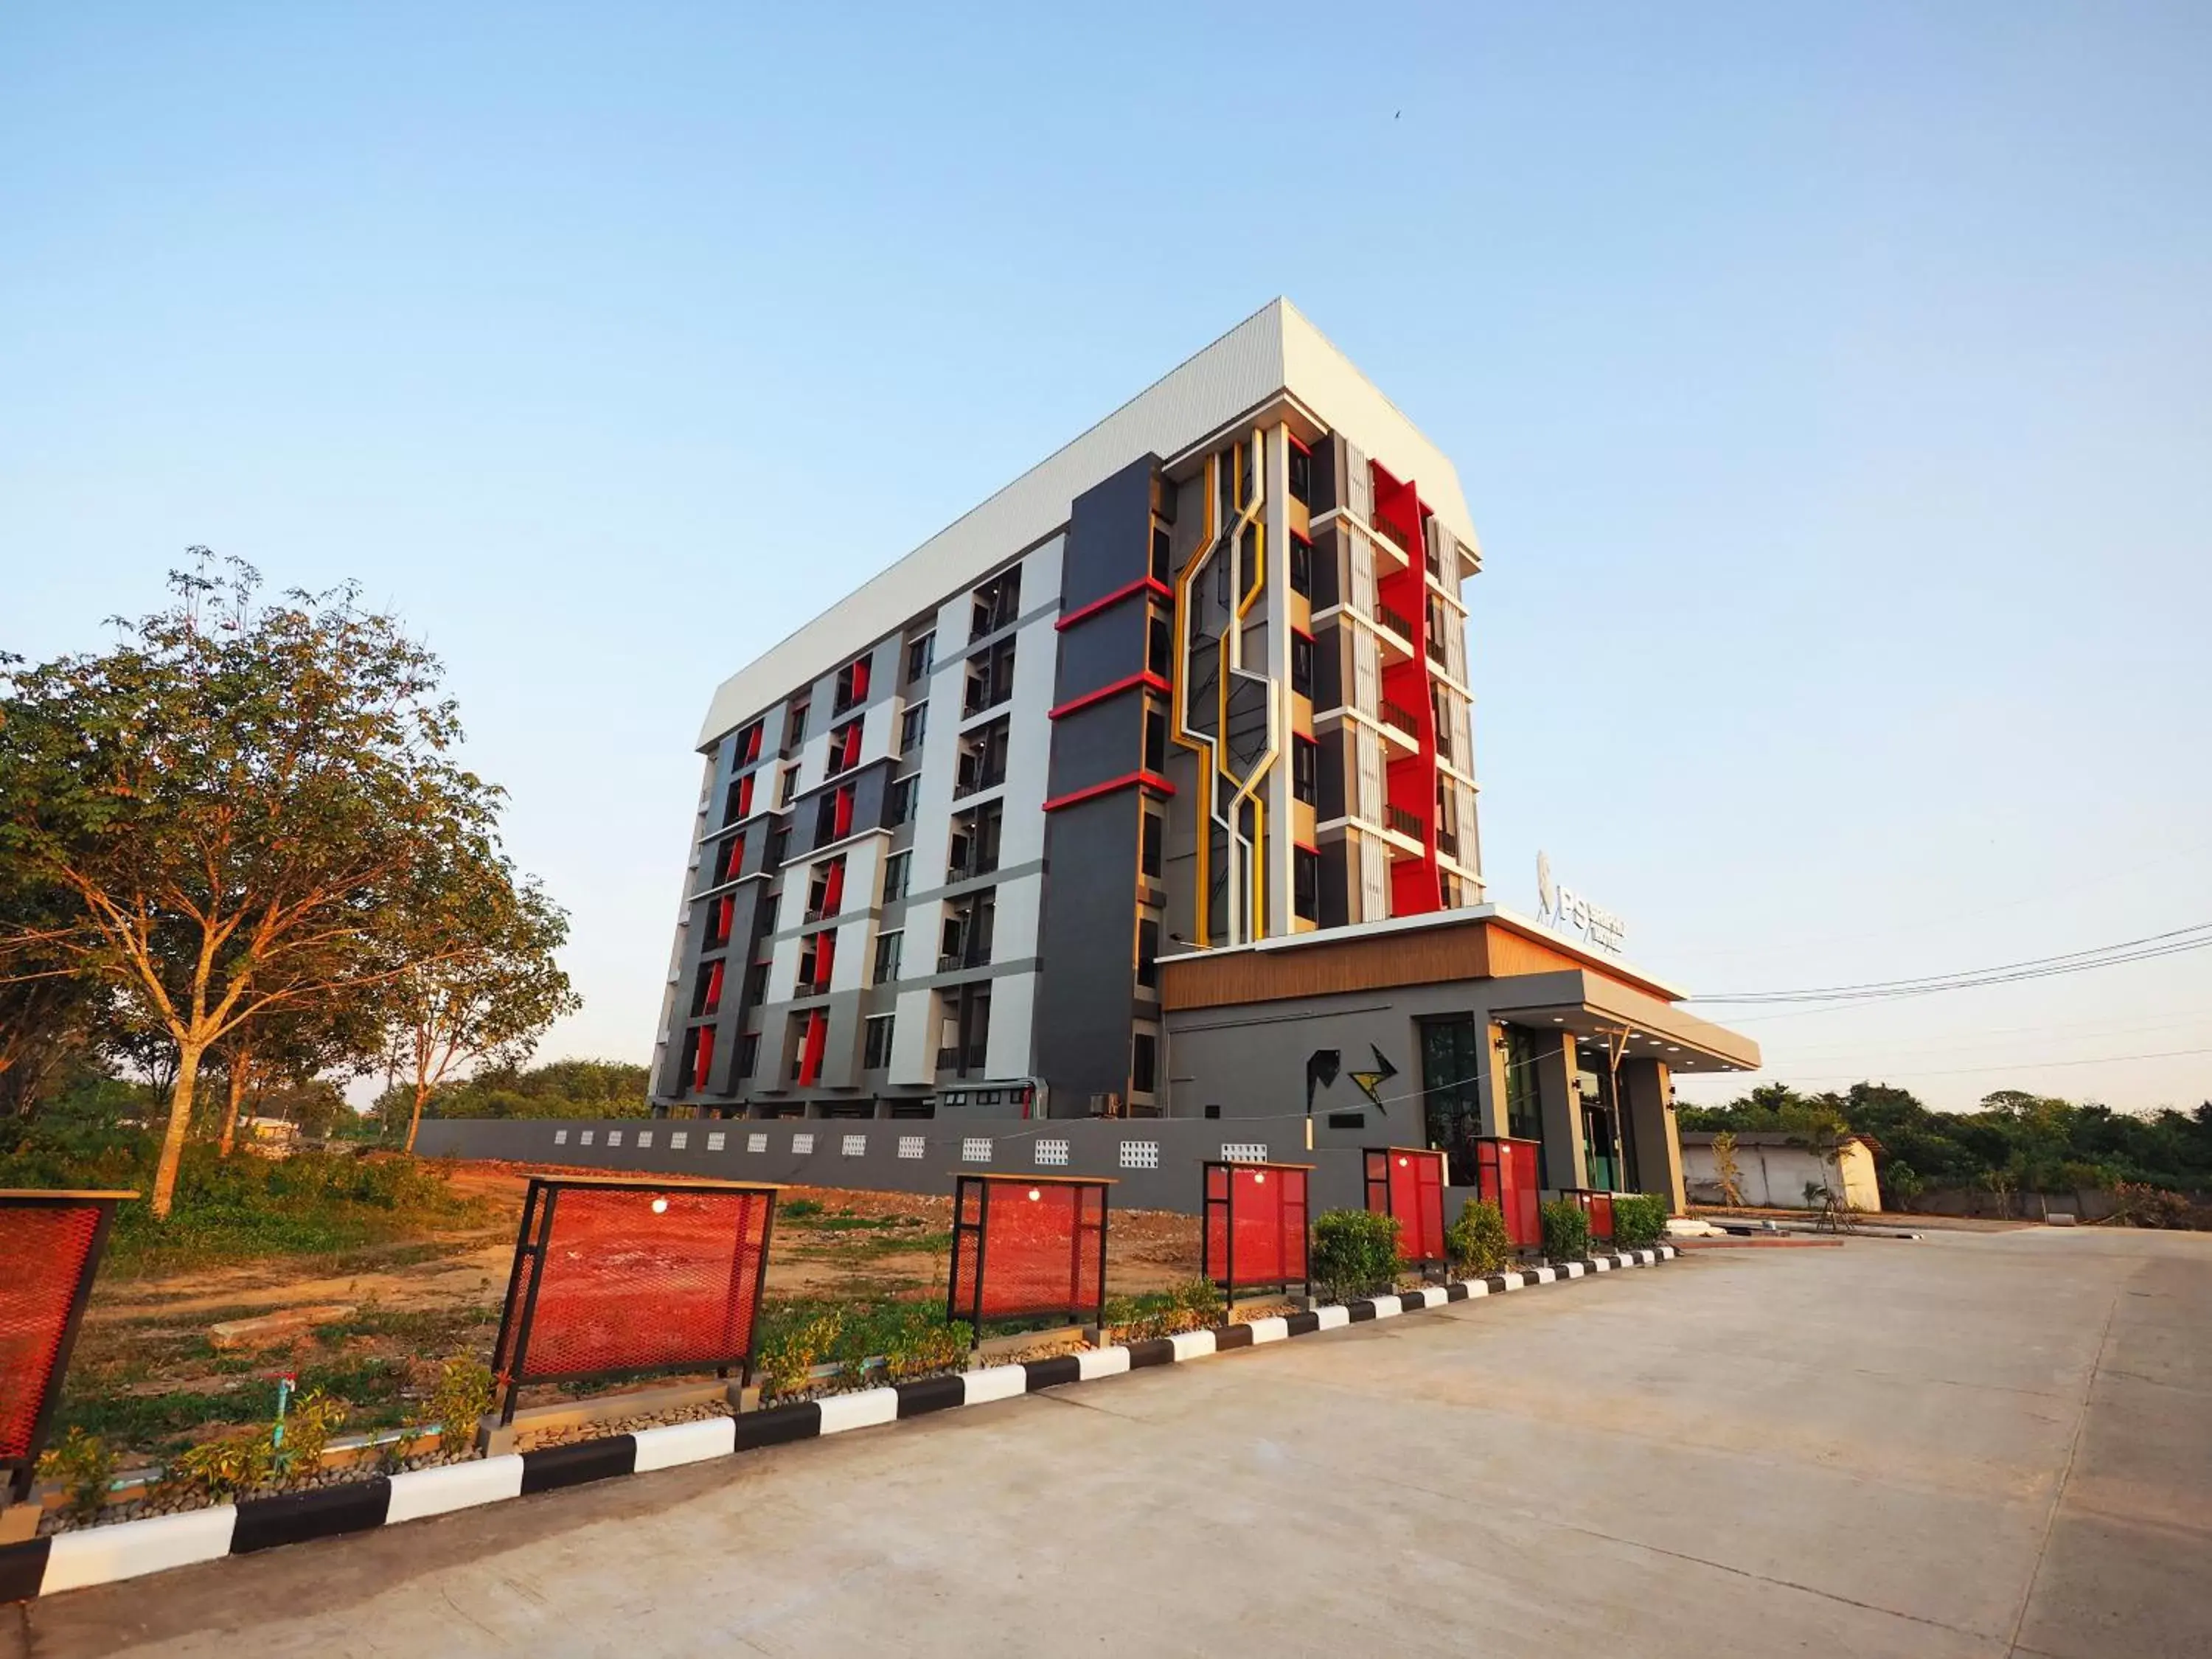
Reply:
x=1452, y=1063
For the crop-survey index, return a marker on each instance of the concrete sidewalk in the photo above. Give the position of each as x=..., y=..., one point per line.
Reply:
x=1976, y=1444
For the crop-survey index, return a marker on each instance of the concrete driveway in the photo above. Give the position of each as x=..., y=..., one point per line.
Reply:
x=1978, y=1444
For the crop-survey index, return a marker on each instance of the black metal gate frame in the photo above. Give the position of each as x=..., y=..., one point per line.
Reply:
x=1207, y=1203
x=531, y=1253
x=21, y=1471
x=973, y=1313
x=1368, y=1155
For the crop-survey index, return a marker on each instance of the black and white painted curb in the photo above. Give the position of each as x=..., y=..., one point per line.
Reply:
x=128, y=1549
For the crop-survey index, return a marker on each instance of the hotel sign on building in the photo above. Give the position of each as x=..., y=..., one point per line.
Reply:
x=1572, y=913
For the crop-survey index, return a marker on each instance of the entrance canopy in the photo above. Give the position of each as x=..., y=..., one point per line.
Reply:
x=1653, y=1031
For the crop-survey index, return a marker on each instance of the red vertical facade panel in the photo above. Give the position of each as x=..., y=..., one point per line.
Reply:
x=817, y=1038
x=1505, y=1174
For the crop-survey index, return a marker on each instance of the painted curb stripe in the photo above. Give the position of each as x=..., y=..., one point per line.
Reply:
x=931, y=1393
x=100, y=1555
x=127, y=1549
x=1053, y=1372
x=451, y=1486
x=293, y=1518
x=684, y=1443
x=779, y=1425
x=555, y=1467
x=23, y=1568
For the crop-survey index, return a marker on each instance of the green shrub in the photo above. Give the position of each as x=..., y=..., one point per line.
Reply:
x=458, y=1400
x=1566, y=1230
x=307, y=1428
x=787, y=1359
x=1476, y=1244
x=798, y=1209
x=923, y=1342
x=83, y=1466
x=1194, y=1304
x=221, y=1470
x=1355, y=1253
x=1639, y=1220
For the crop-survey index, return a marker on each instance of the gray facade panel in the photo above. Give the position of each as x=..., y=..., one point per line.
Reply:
x=1087, y=935
x=1109, y=535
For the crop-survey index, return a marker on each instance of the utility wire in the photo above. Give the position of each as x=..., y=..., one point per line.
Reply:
x=2148, y=948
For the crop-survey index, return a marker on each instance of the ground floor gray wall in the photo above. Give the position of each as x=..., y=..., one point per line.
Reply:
x=816, y=1153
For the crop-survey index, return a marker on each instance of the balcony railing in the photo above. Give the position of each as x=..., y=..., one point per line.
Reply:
x=975, y=783
x=1397, y=714
x=948, y=1059
x=968, y=869
x=1395, y=621
x=1397, y=537
x=954, y=962
x=1406, y=824
x=1447, y=843
x=1437, y=654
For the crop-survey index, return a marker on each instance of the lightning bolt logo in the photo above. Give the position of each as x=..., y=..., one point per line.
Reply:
x=1370, y=1082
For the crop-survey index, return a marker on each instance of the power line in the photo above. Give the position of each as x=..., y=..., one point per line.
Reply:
x=2006, y=1066
x=2148, y=948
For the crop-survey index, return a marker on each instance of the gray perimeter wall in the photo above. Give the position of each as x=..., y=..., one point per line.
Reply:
x=1095, y=1147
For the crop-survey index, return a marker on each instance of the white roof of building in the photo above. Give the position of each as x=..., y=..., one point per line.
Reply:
x=1273, y=350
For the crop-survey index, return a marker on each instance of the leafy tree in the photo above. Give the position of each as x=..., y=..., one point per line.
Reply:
x=230, y=797
x=488, y=1002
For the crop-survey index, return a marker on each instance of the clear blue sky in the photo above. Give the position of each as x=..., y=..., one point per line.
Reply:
x=1830, y=394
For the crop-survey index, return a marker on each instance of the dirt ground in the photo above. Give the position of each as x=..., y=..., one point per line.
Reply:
x=147, y=1376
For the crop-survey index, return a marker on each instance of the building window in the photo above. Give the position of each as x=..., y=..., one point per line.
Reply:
x=1149, y=855
x=1144, y=1063
x=1244, y=1152
x=887, y=954
x=913, y=1146
x=678, y=1139
x=1301, y=460
x=560, y=1136
x=1159, y=644
x=1301, y=566
x=757, y=1141
x=1302, y=663
x=748, y=746
x=584, y=1137
x=976, y=1149
x=748, y=1052
x=798, y=729
x=779, y=845
x=1163, y=555
x=1305, y=883
x=852, y=685
x=1148, y=953
x=998, y=602
x=1156, y=740
x=912, y=725
x=1305, y=770
x=878, y=1054
x=1052, y=1152
x=852, y=1147
x=788, y=785
x=1141, y=1154
x=645, y=1138
x=613, y=1137
x=894, y=873
x=803, y=1145
x=716, y=1140
x=921, y=656
x=905, y=793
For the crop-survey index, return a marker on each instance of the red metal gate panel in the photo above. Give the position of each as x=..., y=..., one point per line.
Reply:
x=1505, y=1174
x=1406, y=1183
x=1027, y=1247
x=623, y=1277
x=50, y=1244
x=1255, y=1226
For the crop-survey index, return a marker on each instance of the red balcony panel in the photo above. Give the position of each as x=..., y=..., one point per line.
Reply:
x=703, y=1059
x=817, y=1038
x=859, y=679
x=843, y=825
x=833, y=887
x=713, y=1000
x=745, y=796
x=825, y=957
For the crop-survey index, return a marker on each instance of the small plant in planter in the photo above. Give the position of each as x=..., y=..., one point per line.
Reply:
x=1355, y=1253
x=458, y=1400
x=1566, y=1230
x=1476, y=1244
x=83, y=1467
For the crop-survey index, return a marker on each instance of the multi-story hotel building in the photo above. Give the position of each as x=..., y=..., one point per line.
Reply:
x=1196, y=680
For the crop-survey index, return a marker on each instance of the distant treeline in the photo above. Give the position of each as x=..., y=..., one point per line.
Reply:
x=561, y=1088
x=2016, y=1141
